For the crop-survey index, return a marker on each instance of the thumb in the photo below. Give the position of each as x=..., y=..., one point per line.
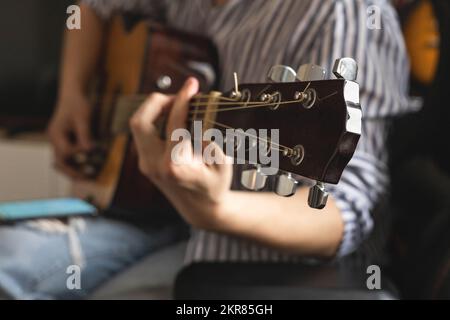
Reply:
x=180, y=110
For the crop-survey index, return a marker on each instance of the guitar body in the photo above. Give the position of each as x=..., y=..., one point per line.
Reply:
x=139, y=59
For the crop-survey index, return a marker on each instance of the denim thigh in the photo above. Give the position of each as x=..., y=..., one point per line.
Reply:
x=34, y=262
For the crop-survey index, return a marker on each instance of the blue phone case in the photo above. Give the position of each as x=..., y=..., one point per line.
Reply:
x=48, y=208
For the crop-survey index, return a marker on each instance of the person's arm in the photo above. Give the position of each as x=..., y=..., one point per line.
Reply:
x=69, y=128
x=81, y=52
x=287, y=224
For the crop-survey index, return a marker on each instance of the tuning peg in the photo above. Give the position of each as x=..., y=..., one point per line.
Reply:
x=280, y=73
x=311, y=72
x=285, y=185
x=345, y=68
x=253, y=179
x=318, y=196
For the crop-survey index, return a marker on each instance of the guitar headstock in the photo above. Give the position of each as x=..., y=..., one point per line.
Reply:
x=318, y=124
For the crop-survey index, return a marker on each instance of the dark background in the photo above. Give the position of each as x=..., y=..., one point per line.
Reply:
x=31, y=35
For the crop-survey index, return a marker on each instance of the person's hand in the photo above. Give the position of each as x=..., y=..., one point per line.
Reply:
x=195, y=188
x=69, y=131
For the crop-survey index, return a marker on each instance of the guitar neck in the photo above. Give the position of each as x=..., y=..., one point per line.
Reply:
x=203, y=112
x=200, y=109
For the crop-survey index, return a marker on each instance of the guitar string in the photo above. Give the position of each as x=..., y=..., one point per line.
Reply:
x=196, y=111
x=230, y=101
x=280, y=146
x=233, y=102
x=221, y=97
x=246, y=105
x=259, y=105
x=247, y=134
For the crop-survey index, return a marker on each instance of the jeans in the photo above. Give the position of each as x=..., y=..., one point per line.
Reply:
x=37, y=263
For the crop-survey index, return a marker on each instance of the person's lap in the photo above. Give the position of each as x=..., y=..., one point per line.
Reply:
x=34, y=261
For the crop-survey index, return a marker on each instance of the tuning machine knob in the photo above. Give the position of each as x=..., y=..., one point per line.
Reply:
x=281, y=73
x=318, y=196
x=311, y=72
x=286, y=185
x=346, y=68
x=254, y=179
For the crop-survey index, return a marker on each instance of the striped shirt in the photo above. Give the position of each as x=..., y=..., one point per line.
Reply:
x=251, y=36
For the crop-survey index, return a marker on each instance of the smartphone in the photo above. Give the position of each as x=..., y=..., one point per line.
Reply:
x=47, y=208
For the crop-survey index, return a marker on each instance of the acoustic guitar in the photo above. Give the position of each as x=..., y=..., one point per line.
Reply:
x=319, y=121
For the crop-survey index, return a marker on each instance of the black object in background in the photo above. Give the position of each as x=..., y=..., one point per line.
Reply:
x=31, y=36
x=420, y=173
